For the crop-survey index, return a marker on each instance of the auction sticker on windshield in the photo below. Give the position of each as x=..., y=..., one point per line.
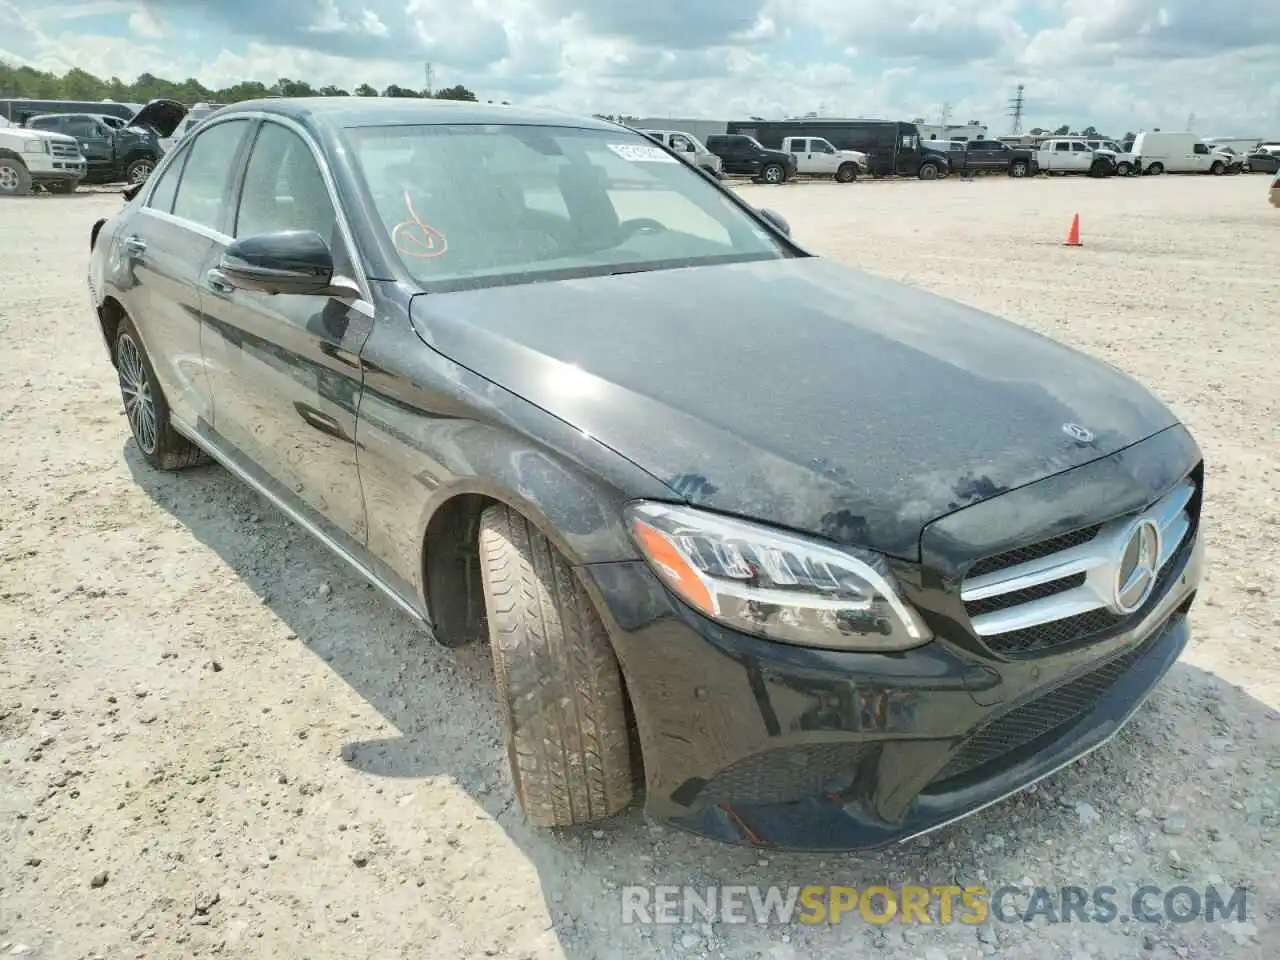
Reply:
x=641, y=153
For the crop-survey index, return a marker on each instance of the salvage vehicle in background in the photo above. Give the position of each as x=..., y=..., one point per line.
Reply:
x=114, y=154
x=1159, y=153
x=31, y=159
x=743, y=155
x=815, y=157
x=996, y=156
x=690, y=147
x=1067, y=155
x=1261, y=161
x=892, y=148
x=831, y=614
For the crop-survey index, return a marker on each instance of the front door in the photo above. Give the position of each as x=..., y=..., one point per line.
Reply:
x=822, y=156
x=1081, y=157
x=285, y=369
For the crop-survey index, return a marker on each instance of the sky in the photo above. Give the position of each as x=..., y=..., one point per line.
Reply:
x=1118, y=65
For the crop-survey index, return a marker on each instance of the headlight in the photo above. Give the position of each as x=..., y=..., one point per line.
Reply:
x=774, y=584
x=36, y=146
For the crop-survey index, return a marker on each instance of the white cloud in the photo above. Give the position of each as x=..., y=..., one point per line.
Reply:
x=1116, y=64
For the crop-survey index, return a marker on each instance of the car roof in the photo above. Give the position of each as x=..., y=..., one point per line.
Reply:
x=392, y=111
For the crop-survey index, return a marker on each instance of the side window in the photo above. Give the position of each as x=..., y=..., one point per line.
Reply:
x=1079, y=147
x=204, y=178
x=283, y=187
x=1201, y=148
x=166, y=186
x=1062, y=146
x=799, y=145
x=681, y=144
x=821, y=146
x=45, y=123
x=83, y=128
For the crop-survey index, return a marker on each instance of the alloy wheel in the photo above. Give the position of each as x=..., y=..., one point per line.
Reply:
x=140, y=172
x=9, y=180
x=135, y=388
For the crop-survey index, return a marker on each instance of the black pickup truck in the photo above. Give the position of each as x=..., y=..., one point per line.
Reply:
x=116, y=151
x=996, y=156
x=740, y=154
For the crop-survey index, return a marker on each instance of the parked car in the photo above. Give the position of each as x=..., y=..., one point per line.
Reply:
x=816, y=157
x=690, y=147
x=753, y=522
x=996, y=156
x=1067, y=155
x=741, y=154
x=1125, y=160
x=1262, y=162
x=1178, y=153
x=126, y=153
x=36, y=158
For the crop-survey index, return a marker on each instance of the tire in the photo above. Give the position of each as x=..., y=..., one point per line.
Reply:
x=928, y=171
x=1100, y=168
x=1216, y=168
x=559, y=686
x=1155, y=169
x=847, y=173
x=162, y=446
x=773, y=173
x=138, y=170
x=15, y=179
x=1019, y=168
x=1123, y=169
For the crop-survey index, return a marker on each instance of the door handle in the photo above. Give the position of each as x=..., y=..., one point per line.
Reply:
x=217, y=282
x=135, y=245
x=321, y=421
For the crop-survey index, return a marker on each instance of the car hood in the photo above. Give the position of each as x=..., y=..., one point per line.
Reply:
x=798, y=392
x=162, y=116
x=23, y=133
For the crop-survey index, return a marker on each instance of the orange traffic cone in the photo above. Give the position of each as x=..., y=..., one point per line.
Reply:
x=1073, y=235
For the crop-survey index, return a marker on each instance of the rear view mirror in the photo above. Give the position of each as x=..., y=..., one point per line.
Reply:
x=290, y=261
x=776, y=219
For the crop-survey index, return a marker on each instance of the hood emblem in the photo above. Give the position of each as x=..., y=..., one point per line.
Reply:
x=1078, y=433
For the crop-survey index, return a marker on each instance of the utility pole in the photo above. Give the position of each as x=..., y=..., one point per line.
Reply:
x=431, y=79
x=944, y=117
x=1016, y=103
x=1191, y=122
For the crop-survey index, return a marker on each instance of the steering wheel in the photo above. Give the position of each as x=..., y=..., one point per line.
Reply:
x=640, y=225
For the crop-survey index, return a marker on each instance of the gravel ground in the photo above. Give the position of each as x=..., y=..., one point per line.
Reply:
x=214, y=739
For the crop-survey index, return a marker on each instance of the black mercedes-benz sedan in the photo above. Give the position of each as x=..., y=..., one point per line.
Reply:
x=812, y=559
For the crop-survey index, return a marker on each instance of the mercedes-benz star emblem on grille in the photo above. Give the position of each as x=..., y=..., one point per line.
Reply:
x=1078, y=433
x=1136, y=567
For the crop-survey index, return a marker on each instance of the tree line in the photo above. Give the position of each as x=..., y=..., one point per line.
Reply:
x=1066, y=131
x=77, y=84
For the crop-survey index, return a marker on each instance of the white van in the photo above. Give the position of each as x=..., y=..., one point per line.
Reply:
x=1158, y=153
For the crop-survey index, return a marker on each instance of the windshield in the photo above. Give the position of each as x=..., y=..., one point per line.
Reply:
x=478, y=205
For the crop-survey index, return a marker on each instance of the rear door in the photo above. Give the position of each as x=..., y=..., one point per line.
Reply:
x=166, y=245
x=285, y=369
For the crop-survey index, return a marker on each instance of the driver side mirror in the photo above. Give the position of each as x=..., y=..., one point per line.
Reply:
x=776, y=219
x=296, y=262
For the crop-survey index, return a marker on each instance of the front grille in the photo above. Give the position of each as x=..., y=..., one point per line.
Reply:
x=1059, y=592
x=64, y=149
x=1038, y=720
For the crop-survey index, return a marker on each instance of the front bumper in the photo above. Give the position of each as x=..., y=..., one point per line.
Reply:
x=764, y=744
x=58, y=171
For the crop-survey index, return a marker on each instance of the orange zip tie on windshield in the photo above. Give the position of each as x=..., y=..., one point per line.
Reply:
x=430, y=243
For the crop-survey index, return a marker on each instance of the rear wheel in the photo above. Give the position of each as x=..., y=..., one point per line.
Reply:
x=15, y=179
x=847, y=173
x=559, y=685
x=146, y=408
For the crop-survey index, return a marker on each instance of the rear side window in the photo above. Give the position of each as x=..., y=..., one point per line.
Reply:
x=204, y=179
x=166, y=186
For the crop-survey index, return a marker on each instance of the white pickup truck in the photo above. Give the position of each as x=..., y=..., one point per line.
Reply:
x=28, y=158
x=1064, y=155
x=1126, y=161
x=816, y=157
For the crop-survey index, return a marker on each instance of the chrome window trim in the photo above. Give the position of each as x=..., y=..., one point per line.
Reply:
x=365, y=304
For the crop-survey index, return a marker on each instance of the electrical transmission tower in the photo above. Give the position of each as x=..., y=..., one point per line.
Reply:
x=945, y=116
x=1016, y=103
x=431, y=79
x=1191, y=122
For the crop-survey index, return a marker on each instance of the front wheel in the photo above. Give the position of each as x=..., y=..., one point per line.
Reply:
x=559, y=686
x=928, y=172
x=15, y=179
x=773, y=173
x=139, y=170
x=1123, y=169
x=146, y=408
x=1019, y=168
x=847, y=173
x=1217, y=168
